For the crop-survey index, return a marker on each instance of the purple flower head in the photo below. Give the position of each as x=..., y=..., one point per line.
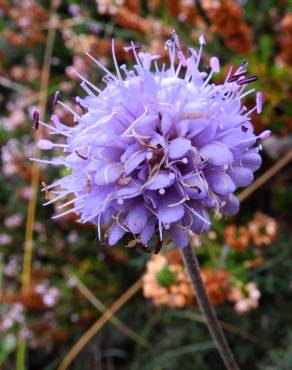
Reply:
x=158, y=147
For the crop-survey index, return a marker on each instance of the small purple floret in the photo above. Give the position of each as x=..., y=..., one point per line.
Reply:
x=158, y=148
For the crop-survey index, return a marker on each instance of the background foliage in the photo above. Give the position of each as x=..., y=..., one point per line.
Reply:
x=55, y=310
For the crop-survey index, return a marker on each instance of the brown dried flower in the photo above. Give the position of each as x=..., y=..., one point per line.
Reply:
x=286, y=39
x=227, y=19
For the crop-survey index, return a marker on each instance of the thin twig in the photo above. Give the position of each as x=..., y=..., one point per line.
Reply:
x=192, y=265
x=102, y=308
x=35, y=175
x=99, y=324
x=228, y=327
x=265, y=176
x=11, y=85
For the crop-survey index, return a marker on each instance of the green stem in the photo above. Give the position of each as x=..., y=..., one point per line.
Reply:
x=192, y=265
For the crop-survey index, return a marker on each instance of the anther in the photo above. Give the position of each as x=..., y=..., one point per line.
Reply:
x=133, y=47
x=36, y=117
x=236, y=76
x=123, y=181
x=46, y=190
x=48, y=145
x=244, y=63
x=80, y=155
x=247, y=80
x=54, y=100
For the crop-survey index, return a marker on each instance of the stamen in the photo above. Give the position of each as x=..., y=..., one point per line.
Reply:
x=202, y=43
x=108, y=79
x=55, y=199
x=160, y=229
x=36, y=122
x=123, y=181
x=48, y=145
x=54, y=100
x=115, y=60
x=124, y=69
x=246, y=93
x=259, y=102
x=46, y=190
x=54, y=129
x=85, y=80
x=197, y=214
x=72, y=201
x=191, y=186
x=244, y=63
x=236, y=76
x=183, y=160
x=54, y=162
x=264, y=135
x=119, y=223
x=215, y=65
x=247, y=80
x=62, y=181
x=135, y=55
x=184, y=199
x=98, y=123
x=100, y=65
x=86, y=89
x=175, y=39
x=228, y=74
x=135, y=122
x=98, y=227
x=75, y=115
x=75, y=209
x=133, y=47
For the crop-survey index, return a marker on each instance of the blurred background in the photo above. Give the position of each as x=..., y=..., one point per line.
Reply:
x=126, y=309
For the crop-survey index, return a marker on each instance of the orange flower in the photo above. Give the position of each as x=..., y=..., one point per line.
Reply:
x=166, y=282
x=237, y=237
x=217, y=284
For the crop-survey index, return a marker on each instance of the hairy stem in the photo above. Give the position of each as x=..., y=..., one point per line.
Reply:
x=192, y=265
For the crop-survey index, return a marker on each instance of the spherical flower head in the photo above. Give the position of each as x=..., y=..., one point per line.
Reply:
x=159, y=147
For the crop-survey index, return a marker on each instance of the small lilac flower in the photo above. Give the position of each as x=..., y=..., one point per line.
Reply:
x=158, y=147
